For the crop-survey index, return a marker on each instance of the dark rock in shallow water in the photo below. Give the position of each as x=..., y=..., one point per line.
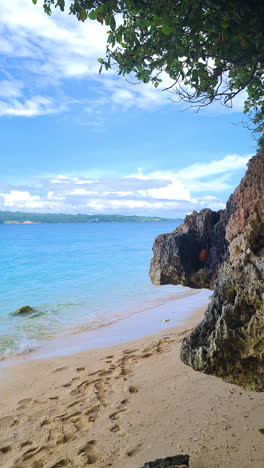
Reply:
x=24, y=310
x=178, y=461
x=224, y=250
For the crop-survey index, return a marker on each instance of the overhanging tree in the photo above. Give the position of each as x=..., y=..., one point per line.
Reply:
x=211, y=50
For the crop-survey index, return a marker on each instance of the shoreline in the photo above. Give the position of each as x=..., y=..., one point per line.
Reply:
x=124, y=405
x=154, y=317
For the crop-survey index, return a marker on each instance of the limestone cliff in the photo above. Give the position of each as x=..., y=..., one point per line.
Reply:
x=225, y=251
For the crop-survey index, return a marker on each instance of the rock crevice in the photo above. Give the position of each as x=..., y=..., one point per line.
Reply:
x=223, y=251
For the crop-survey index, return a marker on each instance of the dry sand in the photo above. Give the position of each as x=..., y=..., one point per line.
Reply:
x=123, y=406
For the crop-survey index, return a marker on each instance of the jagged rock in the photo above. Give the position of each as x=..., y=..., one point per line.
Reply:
x=24, y=310
x=229, y=342
x=191, y=255
x=178, y=461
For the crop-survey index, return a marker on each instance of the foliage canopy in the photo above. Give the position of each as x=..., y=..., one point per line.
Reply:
x=211, y=49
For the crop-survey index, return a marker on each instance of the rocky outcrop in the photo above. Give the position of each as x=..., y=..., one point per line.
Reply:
x=178, y=461
x=191, y=255
x=24, y=310
x=224, y=250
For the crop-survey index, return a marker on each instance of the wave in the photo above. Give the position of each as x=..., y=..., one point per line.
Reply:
x=36, y=329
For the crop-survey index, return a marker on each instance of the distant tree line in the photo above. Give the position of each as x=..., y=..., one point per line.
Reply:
x=21, y=217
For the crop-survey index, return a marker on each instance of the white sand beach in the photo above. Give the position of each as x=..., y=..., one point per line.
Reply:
x=124, y=405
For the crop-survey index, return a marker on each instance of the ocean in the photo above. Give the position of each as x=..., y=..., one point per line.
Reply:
x=77, y=277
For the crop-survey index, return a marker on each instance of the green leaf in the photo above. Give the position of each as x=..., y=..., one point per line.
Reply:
x=166, y=29
x=83, y=15
x=112, y=23
x=93, y=15
x=180, y=37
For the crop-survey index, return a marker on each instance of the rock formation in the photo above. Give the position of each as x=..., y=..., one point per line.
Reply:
x=24, y=310
x=223, y=250
x=178, y=461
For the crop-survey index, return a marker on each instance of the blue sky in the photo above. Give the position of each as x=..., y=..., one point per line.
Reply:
x=74, y=141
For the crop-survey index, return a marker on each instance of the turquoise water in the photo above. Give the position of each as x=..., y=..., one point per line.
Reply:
x=76, y=276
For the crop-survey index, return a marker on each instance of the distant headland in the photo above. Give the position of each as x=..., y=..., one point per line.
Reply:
x=19, y=217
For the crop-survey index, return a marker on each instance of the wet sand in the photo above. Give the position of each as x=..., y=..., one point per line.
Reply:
x=123, y=405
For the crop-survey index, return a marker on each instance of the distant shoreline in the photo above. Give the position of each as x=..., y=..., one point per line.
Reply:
x=81, y=222
x=19, y=217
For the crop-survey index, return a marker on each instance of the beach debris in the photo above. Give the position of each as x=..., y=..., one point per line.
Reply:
x=24, y=310
x=178, y=461
x=261, y=430
x=203, y=255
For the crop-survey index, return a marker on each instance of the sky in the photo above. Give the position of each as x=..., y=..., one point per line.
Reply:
x=74, y=141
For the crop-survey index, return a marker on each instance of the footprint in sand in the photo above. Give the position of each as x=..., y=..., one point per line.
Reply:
x=26, y=459
x=82, y=423
x=24, y=444
x=8, y=421
x=133, y=389
x=95, y=372
x=85, y=384
x=101, y=395
x=45, y=422
x=60, y=463
x=134, y=451
x=122, y=404
x=79, y=401
x=71, y=416
x=88, y=452
x=92, y=413
x=5, y=449
x=59, y=369
x=105, y=372
x=115, y=416
x=64, y=437
x=129, y=351
x=115, y=428
x=25, y=403
x=68, y=384
x=146, y=355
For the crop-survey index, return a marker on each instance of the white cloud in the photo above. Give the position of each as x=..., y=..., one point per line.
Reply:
x=82, y=191
x=38, y=105
x=161, y=193
x=10, y=89
x=180, y=183
x=18, y=198
x=59, y=47
x=51, y=50
x=175, y=190
x=201, y=170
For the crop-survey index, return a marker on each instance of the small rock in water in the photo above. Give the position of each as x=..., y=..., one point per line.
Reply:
x=25, y=310
x=178, y=461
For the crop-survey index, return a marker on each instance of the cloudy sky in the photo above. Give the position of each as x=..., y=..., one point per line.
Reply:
x=74, y=141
